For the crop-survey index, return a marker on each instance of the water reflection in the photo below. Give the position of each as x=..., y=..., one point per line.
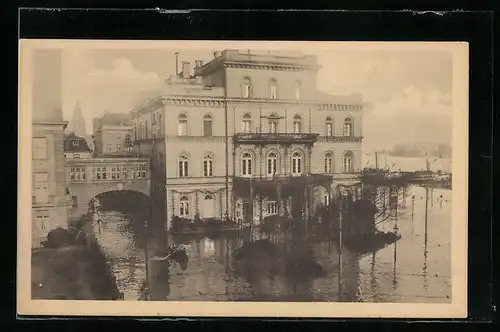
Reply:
x=415, y=269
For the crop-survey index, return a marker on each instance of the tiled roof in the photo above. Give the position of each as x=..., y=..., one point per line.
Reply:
x=73, y=143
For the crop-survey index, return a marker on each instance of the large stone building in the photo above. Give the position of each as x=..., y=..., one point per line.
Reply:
x=50, y=203
x=112, y=133
x=223, y=130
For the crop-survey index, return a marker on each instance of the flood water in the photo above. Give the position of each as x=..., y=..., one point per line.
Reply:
x=417, y=268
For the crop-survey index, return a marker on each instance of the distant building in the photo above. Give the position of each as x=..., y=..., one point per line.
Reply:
x=49, y=201
x=77, y=126
x=76, y=147
x=112, y=133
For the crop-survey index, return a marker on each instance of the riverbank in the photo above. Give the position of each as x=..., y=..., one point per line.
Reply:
x=72, y=272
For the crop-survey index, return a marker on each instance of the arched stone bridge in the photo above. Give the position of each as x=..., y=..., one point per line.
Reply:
x=88, y=178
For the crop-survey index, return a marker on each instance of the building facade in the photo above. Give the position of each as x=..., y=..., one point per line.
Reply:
x=243, y=119
x=50, y=203
x=112, y=133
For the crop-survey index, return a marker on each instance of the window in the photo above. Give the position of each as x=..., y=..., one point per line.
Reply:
x=124, y=172
x=247, y=123
x=183, y=166
x=348, y=168
x=272, y=207
x=272, y=161
x=296, y=163
x=146, y=129
x=182, y=125
x=39, y=148
x=77, y=174
x=207, y=125
x=246, y=164
x=75, y=143
x=246, y=88
x=328, y=163
x=297, y=90
x=297, y=124
x=99, y=173
x=42, y=219
x=184, y=207
x=273, y=124
x=110, y=148
x=327, y=200
x=348, y=127
x=118, y=147
x=41, y=187
x=329, y=126
x=139, y=172
x=208, y=165
x=114, y=173
x=272, y=89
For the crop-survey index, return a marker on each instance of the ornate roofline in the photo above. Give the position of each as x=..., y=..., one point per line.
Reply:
x=200, y=101
x=269, y=66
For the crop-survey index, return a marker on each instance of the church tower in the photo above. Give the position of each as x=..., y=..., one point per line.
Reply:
x=77, y=123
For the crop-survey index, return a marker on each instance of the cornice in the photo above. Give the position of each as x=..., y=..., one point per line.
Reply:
x=341, y=139
x=264, y=66
x=214, y=102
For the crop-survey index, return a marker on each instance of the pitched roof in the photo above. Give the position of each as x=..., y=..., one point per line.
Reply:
x=115, y=119
x=73, y=143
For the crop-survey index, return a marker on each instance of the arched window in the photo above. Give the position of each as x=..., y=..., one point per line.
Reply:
x=135, y=132
x=347, y=162
x=297, y=163
x=348, y=127
x=207, y=125
x=272, y=89
x=273, y=123
x=184, y=207
x=247, y=123
x=208, y=165
x=182, y=125
x=160, y=124
x=328, y=162
x=297, y=124
x=246, y=164
x=329, y=127
x=272, y=163
x=153, y=122
x=183, y=166
x=297, y=90
x=246, y=88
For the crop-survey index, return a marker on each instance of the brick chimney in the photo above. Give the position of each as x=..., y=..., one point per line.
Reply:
x=186, y=69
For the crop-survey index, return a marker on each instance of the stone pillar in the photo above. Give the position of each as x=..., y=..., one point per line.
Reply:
x=170, y=208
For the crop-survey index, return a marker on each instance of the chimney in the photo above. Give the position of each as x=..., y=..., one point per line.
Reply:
x=186, y=69
x=217, y=54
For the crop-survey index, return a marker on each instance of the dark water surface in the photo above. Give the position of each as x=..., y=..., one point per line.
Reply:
x=415, y=269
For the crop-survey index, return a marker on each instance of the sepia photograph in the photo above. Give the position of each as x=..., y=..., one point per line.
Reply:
x=203, y=178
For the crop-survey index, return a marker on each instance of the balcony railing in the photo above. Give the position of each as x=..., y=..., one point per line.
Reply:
x=274, y=138
x=289, y=183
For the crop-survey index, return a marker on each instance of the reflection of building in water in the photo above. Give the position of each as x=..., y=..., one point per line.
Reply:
x=203, y=279
x=246, y=117
x=332, y=287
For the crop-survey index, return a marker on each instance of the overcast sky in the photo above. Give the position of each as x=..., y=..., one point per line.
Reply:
x=408, y=91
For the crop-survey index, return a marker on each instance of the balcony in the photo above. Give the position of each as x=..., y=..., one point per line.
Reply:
x=274, y=138
x=289, y=184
